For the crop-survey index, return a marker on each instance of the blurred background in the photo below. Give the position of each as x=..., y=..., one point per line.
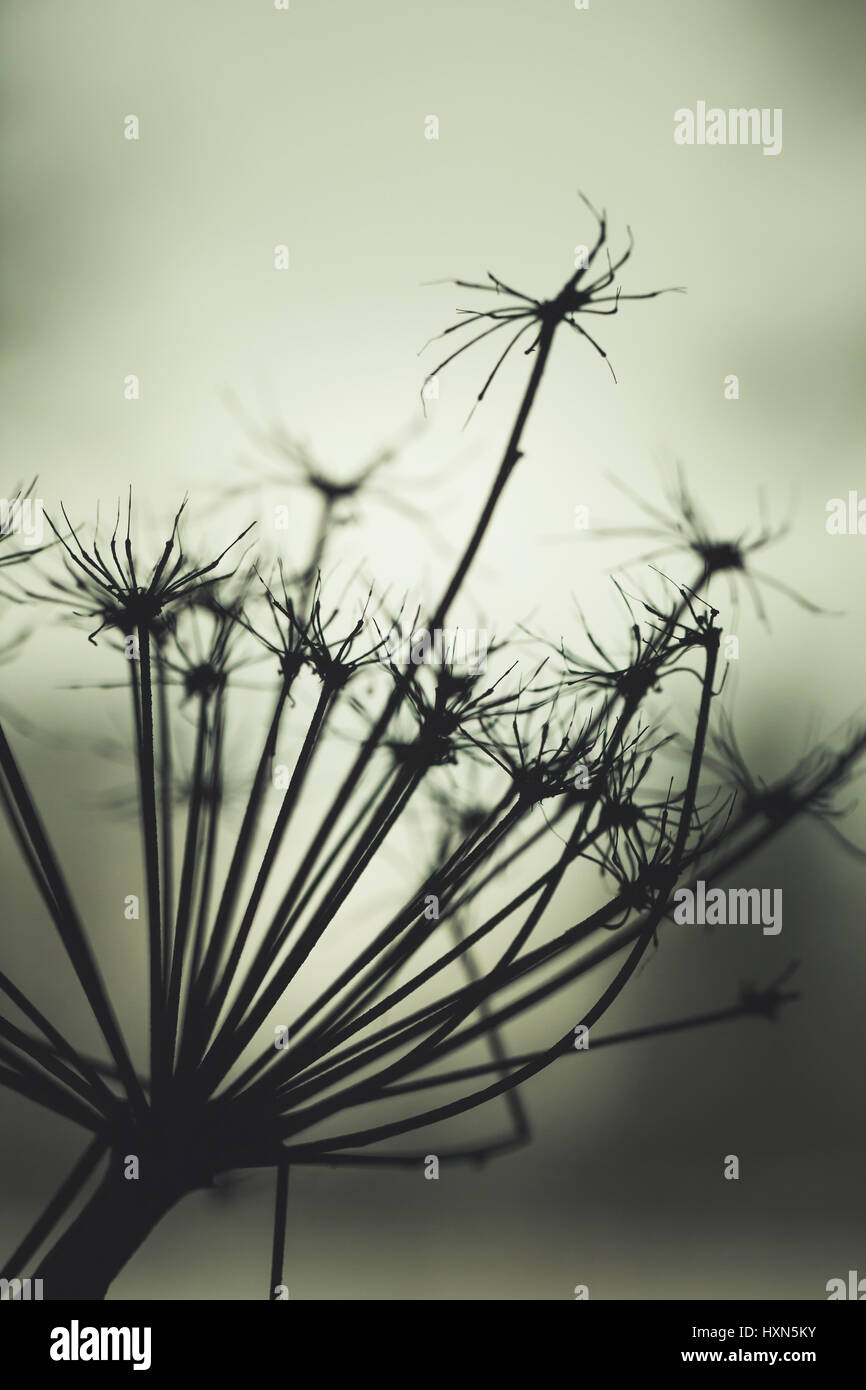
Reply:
x=306, y=129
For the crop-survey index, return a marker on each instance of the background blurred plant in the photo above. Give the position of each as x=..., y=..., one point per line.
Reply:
x=513, y=780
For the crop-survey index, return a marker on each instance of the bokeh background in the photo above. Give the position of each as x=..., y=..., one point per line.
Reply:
x=306, y=128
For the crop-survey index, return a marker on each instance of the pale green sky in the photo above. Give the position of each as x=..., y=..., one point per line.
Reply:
x=261, y=127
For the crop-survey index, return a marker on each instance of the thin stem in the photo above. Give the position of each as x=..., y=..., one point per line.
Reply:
x=166, y=806
x=650, y=1030
x=185, y=897
x=60, y=1203
x=509, y=460
x=289, y=803
x=198, y=1011
x=160, y=1065
x=281, y=1206
x=68, y=924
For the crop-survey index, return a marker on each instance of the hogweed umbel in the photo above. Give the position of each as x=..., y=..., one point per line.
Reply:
x=238, y=909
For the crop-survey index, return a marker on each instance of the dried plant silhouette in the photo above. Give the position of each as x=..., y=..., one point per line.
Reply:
x=499, y=766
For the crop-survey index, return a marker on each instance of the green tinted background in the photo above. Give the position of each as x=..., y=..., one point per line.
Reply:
x=155, y=257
